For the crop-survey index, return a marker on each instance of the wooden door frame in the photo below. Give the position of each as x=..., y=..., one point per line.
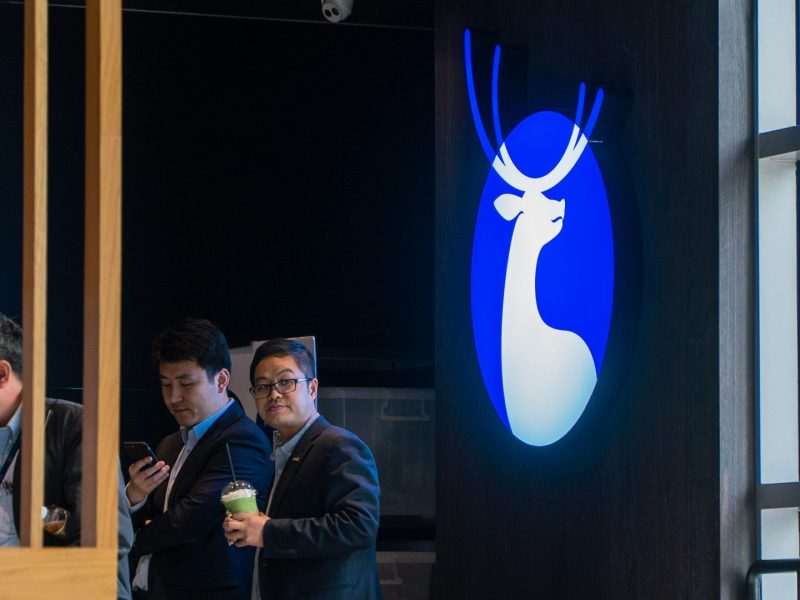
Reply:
x=89, y=572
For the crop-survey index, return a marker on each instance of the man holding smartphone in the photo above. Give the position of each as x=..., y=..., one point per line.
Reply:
x=180, y=550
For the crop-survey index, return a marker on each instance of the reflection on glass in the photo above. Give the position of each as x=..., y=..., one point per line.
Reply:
x=777, y=297
x=779, y=540
x=777, y=57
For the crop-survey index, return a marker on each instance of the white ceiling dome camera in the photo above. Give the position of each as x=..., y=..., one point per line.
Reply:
x=337, y=10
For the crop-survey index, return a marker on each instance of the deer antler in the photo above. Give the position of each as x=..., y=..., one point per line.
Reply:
x=575, y=147
x=501, y=161
x=473, y=100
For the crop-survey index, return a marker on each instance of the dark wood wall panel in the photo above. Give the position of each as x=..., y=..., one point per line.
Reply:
x=631, y=503
x=737, y=292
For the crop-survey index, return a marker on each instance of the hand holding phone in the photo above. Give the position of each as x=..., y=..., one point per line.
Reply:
x=136, y=451
x=146, y=471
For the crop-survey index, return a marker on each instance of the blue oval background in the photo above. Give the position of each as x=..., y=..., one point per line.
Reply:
x=575, y=275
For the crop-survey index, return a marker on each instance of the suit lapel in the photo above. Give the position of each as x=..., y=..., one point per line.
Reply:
x=168, y=451
x=295, y=461
x=197, y=458
x=49, y=472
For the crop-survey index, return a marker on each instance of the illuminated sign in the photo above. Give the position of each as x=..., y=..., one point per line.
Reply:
x=542, y=267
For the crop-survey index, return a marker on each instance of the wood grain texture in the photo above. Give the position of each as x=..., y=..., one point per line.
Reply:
x=34, y=313
x=34, y=574
x=641, y=499
x=102, y=279
x=89, y=572
x=737, y=292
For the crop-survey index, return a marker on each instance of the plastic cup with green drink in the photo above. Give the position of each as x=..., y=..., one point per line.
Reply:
x=239, y=497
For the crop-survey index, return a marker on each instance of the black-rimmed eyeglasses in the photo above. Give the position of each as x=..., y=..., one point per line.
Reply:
x=284, y=386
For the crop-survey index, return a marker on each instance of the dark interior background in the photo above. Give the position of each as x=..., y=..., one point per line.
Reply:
x=277, y=179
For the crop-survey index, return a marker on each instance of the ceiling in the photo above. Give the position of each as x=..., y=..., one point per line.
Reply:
x=416, y=14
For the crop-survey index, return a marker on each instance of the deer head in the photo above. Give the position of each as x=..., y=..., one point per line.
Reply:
x=545, y=215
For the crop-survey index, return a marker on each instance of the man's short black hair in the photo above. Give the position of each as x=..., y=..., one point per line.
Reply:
x=11, y=343
x=194, y=339
x=283, y=347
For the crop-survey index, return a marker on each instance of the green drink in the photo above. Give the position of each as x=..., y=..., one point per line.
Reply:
x=239, y=497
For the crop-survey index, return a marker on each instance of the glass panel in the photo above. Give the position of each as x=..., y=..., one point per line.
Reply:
x=777, y=70
x=779, y=539
x=777, y=243
x=398, y=426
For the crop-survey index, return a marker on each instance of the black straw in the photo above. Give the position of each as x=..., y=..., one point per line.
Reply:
x=230, y=461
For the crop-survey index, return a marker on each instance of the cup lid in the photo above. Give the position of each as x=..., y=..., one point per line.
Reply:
x=239, y=484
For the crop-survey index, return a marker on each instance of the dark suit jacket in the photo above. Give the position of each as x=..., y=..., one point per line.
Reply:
x=190, y=556
x=62, y=484
x=62, y=469
x=320, y=540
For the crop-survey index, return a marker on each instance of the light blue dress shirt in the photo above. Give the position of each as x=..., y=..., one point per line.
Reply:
x=8, y=435
x=281, y=454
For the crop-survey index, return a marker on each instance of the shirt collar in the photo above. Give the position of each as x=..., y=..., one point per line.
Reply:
x=192, y=435
x=15, y=423
x=288, y=447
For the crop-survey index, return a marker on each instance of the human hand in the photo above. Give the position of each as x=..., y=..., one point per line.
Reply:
x=245, y=529
x=145, y=479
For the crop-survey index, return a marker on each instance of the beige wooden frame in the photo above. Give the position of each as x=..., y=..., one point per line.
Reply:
x=90, y=571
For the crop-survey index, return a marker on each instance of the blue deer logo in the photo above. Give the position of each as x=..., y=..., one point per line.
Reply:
x=548, y=374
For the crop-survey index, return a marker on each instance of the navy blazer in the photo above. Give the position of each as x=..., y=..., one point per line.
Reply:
x=190, y=556
x=320, y=540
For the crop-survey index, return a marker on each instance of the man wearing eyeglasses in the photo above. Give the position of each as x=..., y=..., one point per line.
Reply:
x=317, y=537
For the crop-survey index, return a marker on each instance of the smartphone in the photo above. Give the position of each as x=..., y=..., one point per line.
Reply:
x=138, y=451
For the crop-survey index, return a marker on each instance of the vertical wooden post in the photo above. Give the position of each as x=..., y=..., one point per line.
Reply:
x=89, y=572
x=102, y=275
x=34, y=279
